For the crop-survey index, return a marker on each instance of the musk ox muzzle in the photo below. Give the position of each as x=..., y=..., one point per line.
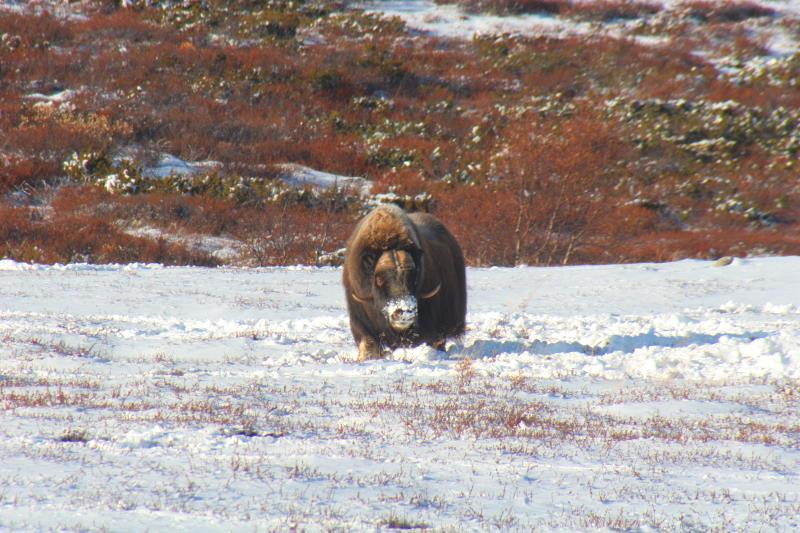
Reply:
x=401, y=313
x=404, y=281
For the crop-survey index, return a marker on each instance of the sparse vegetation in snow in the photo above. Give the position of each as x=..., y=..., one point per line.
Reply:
x=579, y=398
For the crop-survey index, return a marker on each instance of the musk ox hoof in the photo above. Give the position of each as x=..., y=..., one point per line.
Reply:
x=439, y=345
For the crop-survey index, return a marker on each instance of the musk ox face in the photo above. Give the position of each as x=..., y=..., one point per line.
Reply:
x=395, y=276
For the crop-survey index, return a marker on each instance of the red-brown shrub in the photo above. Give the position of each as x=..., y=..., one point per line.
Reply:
x=36, y=29
x=82, y=228
x=514, y=138
x=560, y=175
x=280, y=233
x=672, y=246
x=483, y=222
x=289, y=235
x=124, y=25
x=16, y=172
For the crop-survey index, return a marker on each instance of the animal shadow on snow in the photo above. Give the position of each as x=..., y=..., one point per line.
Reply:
x=484, y=348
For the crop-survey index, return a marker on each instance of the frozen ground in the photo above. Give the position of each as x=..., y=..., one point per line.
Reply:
x=451, y=21
x=653, y=396
x=448, y=20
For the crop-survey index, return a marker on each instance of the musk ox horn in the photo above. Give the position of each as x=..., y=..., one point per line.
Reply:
x=361, y=299
x=430, y=294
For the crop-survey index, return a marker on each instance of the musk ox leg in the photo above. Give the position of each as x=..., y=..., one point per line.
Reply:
x=368, y=349
x=438, y=344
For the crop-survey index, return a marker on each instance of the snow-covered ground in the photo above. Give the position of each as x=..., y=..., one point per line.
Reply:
x=652, y=396
x=302, y=176
x=451, y=21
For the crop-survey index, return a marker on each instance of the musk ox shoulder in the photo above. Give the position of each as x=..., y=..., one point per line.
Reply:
x=404, y=282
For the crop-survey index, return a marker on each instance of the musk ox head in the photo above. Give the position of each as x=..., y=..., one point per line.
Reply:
x=394, y=279
x=385, y=267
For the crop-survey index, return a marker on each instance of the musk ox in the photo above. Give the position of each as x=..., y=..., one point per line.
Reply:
x=404, y=281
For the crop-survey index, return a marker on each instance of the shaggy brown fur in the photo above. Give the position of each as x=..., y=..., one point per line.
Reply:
x=432, y=272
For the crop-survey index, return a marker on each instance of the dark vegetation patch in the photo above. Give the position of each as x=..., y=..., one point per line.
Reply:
x=578, y=149
x=597, y=10
x=723, y=12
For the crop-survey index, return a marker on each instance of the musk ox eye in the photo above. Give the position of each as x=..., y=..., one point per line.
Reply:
x=417, y=257
x=368, y=262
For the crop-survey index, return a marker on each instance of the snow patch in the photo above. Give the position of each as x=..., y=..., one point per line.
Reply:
x=168, y=165
x=10, y=265
x=58, y=97
x=448, y=20
x=301, y=176
x=148, y=438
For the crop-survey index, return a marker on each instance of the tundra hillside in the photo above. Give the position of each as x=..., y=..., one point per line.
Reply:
x=650, y=131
